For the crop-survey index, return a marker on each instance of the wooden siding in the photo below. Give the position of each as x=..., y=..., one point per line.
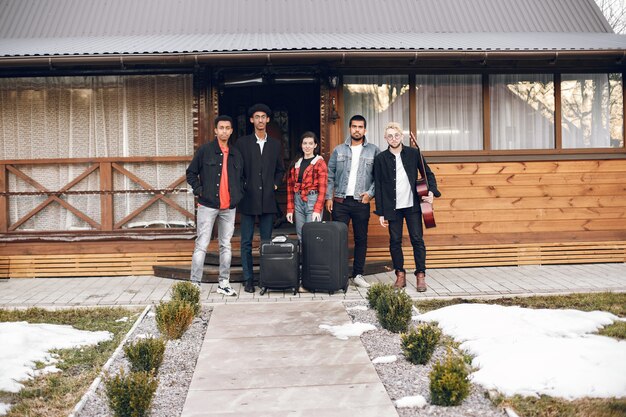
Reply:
x=490, y=214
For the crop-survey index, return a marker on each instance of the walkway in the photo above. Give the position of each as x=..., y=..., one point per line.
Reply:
x=459, y=282
x=274, y=360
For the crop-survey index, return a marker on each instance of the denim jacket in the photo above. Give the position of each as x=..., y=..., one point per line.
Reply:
x=339, y=170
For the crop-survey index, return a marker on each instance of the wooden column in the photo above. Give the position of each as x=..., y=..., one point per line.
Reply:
x=486, y=114
x=413, y=107
x=4, y=201
x=558, y=130
x=624, y=110
x=106, y=200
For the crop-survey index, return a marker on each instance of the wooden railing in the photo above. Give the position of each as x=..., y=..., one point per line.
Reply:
x=105, y=167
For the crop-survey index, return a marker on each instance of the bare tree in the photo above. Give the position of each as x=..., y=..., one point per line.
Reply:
x=615, y=13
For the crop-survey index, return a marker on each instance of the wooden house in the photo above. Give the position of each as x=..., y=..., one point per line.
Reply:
x=517, y=104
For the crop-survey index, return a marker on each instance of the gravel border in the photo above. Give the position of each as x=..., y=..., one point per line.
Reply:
x=174, y=375
x=402, y=379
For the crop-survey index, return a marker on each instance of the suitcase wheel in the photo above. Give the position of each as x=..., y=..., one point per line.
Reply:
x=295, y=291
x=345, y=289
x=263, y=290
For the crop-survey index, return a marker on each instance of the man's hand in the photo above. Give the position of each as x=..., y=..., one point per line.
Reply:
x=316, y=217
x=289, y=217
x=329, y=205
x=428, y=198
x=365, y=198
x=383, y=222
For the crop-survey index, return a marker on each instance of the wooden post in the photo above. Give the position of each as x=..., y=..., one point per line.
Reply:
x=486, y=114
x=106, y=200
x=558, y=130
x=4, y=201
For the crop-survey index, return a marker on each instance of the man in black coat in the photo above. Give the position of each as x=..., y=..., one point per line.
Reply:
x=395, y=179
x=263, y=173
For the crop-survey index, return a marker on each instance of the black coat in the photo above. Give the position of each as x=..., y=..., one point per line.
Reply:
x=205, y=170
x=385, y=180
x=261, y=174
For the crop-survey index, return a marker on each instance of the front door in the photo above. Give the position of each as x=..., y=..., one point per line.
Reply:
x=295, y=108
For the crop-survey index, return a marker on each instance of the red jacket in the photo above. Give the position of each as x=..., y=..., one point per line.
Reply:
x=315, y=177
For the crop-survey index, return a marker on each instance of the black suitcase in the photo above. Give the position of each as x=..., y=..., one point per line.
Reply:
x=280, y=264
x=325, y=256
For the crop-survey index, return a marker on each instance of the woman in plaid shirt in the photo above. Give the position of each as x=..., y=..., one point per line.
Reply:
x=306, y=184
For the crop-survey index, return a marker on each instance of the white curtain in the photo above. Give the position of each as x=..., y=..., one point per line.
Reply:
x=522, y=111
x=449, y=112
x=91, y=117
x=380, y=99
x=592, y=110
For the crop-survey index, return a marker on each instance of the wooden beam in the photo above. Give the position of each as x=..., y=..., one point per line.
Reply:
x=486, y=114
x=106, y=200
x=413, y=106
x=558, y=127
x=4, y=201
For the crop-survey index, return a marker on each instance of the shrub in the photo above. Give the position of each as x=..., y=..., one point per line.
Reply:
x=130, y=395
x=449, y=383
x=186, y=291
x=174, y=317
x=374, y=292
x=419, y=343
x=394, y=310
x=145, y=354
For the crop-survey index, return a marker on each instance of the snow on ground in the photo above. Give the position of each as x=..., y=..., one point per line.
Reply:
x=23, y=344
x=347, y=330
x=415, y=401
x=537, y=351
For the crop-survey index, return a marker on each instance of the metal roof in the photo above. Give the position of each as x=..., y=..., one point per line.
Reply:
x=87, y=27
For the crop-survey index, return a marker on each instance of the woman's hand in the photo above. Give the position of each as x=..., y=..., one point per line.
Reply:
x=316, y=217
x=289, y=217
x=428, y=198
x=383, y=222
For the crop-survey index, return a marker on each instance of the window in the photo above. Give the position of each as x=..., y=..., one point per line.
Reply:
x=380, y=99
x=522, y=111
x=449, y=112
x=592, y=110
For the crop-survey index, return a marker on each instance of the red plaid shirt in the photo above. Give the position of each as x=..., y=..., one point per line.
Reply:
x=315, y=177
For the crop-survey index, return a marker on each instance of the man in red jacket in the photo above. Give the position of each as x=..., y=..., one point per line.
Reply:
x=216, y=176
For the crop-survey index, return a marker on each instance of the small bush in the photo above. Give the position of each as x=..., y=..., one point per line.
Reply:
x=394, y=310
x=419, y=343
x=145, y=354
x=374, y=292
x=449, y=383
x=186, y=291
x=174, y=318
x=130, y=395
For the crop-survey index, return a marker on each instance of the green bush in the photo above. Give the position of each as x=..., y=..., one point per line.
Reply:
x=449, y=383
x=374, y=292
x=186, y=291
x=393, y=310
x=174, y=318
x=145, y=354
x=130, y=395
x=419, y=343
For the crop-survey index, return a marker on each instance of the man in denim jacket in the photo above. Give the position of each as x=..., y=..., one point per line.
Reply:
x=351, y=188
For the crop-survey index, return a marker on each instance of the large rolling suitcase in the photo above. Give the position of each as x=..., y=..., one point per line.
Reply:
x=280, y=264
x=325, y=256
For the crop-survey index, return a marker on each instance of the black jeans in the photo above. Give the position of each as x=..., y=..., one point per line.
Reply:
x=414, y=225
x=359, y=213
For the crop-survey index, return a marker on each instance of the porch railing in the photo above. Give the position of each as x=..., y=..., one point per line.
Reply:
x=105, y=169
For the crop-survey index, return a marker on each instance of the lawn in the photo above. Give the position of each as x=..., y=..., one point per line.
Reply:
x=554, y=407
x=53, y=395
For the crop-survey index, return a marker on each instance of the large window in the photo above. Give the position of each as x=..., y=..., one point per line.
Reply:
x=91, y=117
x=380, y=99
x=522, y=111
x=449, y=112
x=592, y=110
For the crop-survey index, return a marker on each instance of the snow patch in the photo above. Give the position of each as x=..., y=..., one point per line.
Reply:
x=347, y=330
x=415, y=401
x=385, y=359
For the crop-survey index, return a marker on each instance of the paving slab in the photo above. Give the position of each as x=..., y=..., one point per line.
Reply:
x=272, y=359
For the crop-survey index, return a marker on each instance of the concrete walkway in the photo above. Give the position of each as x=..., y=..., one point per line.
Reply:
x=274, y=360
x=442, y=283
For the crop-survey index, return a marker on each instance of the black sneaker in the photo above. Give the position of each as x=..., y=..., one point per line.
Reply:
x=249, y=287
x=226, y=291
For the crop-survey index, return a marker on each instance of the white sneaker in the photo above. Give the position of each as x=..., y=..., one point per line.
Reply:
x=359, y=281
x=226, y=290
